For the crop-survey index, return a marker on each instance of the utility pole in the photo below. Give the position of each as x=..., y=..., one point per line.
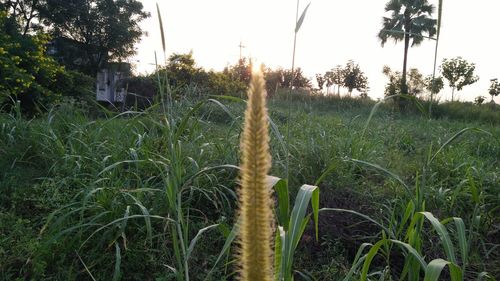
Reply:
x=241, y=48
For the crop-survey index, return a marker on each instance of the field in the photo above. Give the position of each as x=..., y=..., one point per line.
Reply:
x=131, y=196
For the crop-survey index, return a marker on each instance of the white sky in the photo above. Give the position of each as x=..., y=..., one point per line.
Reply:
x=332, y=33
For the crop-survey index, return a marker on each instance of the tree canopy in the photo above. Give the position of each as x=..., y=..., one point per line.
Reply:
x=494, y=89
x=354, y=78
x=459, y=74
x=334, y=77
x=101, y=29
x=416, y=82
x=28, y=74
x=409, y=21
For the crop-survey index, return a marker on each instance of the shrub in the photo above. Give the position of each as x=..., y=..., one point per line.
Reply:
x=30, y=76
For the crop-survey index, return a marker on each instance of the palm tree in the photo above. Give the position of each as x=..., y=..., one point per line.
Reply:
x=409, y=20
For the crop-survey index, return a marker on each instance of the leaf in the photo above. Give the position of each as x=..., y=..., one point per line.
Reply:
x=455, y=136
x=483, y=275
x=229, y=240
x=389, y=173
x=462, y=241
x=410, y=209
x=161, y=28
x=85, y=266
x=358, y=259
x=299, y=210
x=375, y=248
x=147, y=220
x=196, y=238
x=183, y=124
x=433, y=270
x=443, y=235
x=114, y=165
x=301, y=19
x=223, y=107
x=315, y=207
x=440, y=12
x=117, y=221
x=124, y=223
x=278, y=252
x=368, y=259
x=281, y=190
x=296, y=227
x=325, y=173
x=472, y=187
x=412, y=251
x=360, y=215
x=302, y=228
x=118, y=261
x=373, y=111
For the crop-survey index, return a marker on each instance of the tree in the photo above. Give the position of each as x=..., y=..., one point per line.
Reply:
x=479, y=100
x=28, y=75
x=393, y=87
x=459, y=74
x=494, y=89
x=106, y=29
x=299, y=80
x=354, y=78
x=334, y=77
x=320, y=79
x=24, y=11
x=181, y=69
x=434, y=86
x=274, y=80
x=409, y=20
x=241, y=72
x=416, y=82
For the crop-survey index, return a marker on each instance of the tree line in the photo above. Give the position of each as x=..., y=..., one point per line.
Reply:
x=54, y=48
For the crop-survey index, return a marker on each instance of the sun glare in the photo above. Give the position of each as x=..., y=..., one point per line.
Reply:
x=256, y=67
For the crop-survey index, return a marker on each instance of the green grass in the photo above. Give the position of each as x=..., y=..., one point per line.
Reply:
x=103, y=192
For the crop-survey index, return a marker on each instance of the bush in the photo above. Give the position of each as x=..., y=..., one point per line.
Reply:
x=467, y=111
x=29, y=75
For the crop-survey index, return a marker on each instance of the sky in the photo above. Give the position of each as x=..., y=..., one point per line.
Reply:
x=333, y=32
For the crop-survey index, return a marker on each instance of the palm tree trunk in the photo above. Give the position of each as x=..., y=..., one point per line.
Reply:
x=404, y=87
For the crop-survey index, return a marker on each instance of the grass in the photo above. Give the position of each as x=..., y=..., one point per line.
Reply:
x=83, y=196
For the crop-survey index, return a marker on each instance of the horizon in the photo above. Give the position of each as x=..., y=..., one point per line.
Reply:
x=214, y=30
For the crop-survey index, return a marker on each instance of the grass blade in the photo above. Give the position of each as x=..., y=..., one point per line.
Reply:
x=358, y=259
x=443, y=235
x=455, y=136
x=162, y=33
x=227, y=244
x=301, y=19
x=85, y=266
x=368, y=259
x=433, y=270
x=281, y=191
x=192, y=244
x=118, y=257
x=278, y=252
x=296, y=227
x=412, y=251
x=389, y=173
x=360, y=215
x=462, y=240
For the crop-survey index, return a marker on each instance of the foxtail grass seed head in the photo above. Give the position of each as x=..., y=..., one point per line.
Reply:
x=256, y=219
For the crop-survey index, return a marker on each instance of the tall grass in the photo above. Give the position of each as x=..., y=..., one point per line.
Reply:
x=99, y=174
x=151, y=195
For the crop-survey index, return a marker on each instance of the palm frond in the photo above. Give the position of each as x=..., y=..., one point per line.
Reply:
x=393, y=6
x=428, y=9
